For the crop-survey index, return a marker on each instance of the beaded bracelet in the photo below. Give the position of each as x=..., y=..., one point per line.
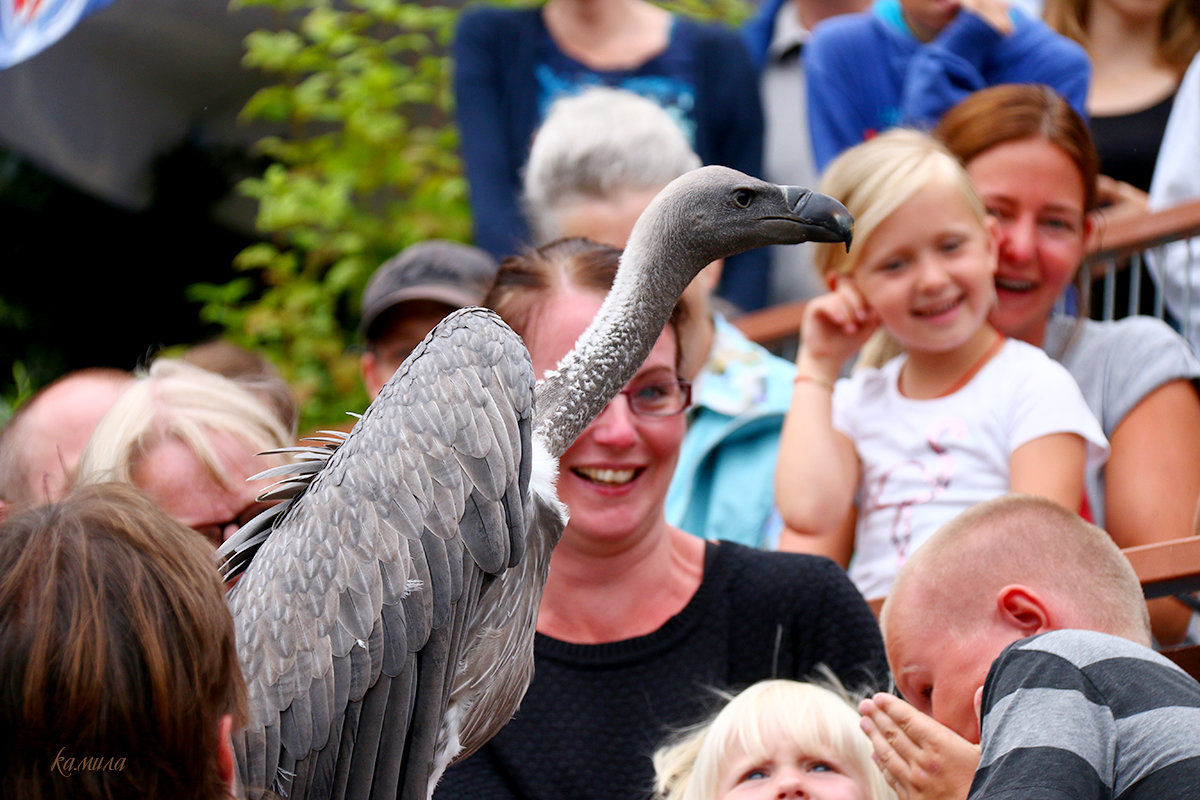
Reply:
x=802, y=378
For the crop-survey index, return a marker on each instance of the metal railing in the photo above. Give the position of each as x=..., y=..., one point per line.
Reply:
x=1154, y=243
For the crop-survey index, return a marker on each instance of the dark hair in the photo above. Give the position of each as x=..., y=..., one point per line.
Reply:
x=525, y=280
x=1015, y=111
x=116, y=650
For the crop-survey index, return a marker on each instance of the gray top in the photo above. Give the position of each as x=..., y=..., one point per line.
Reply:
x=1117, y=364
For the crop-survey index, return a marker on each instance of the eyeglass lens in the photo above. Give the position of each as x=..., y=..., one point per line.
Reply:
x=659, y=399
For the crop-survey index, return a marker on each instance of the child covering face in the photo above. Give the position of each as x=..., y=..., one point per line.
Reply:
x=868, y=471
x=778, y=738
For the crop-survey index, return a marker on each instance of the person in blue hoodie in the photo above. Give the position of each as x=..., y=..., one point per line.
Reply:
x=905, y=62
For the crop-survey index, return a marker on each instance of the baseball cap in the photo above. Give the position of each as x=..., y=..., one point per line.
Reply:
x=448, y=272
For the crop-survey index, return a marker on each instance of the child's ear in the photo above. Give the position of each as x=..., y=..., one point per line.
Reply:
x=1023, y=609
x=835, y=279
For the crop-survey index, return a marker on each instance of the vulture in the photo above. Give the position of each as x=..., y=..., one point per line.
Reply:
x=385, y=613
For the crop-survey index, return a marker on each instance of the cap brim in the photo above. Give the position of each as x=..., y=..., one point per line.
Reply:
x=450, y=295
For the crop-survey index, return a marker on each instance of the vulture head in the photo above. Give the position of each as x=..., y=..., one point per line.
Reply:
x=714, y=212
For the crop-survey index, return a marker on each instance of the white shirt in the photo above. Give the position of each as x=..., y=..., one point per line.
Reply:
x=924, y=461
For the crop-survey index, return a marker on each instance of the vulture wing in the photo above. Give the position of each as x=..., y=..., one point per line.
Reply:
x=365, y=592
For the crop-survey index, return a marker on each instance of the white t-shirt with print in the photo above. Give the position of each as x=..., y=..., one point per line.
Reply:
x=924, y=461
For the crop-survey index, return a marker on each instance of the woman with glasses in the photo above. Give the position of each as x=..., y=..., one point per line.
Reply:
x=640, y=621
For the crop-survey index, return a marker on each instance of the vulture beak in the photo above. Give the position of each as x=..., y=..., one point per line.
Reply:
x=827, y=219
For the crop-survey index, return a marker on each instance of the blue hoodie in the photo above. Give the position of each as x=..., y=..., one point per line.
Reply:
x=867, y=72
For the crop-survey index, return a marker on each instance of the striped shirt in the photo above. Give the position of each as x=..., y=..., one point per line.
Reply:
x=1072, y=715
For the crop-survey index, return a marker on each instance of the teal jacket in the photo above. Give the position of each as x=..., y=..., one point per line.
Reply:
x=724, y=484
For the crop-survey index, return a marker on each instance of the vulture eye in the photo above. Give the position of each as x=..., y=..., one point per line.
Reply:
x=742, y=198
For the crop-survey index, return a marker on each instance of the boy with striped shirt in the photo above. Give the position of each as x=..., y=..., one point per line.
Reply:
x=1023, y=628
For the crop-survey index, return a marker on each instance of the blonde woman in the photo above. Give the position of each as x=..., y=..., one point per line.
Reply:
x=189, y=438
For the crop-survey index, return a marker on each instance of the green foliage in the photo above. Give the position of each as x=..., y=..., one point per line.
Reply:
x=22, y=388
x=368, y=166
x=730, y=12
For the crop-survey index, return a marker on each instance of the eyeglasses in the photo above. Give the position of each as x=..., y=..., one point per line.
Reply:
x=664, y=399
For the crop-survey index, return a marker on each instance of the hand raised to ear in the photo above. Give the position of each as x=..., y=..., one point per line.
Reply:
x=834, y=327
x=920, y=758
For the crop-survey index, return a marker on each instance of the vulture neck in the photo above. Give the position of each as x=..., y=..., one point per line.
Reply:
x=613, y=347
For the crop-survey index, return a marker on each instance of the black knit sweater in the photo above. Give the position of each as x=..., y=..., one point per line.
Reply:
x=595, y=713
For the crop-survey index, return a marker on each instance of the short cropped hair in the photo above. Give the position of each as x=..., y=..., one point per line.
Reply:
x=1026, y=539
x=174, y=399
x=819, y=720
x=595, y=146
x=117, y=651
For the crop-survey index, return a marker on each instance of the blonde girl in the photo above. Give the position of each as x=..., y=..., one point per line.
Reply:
x=778, y=738
x=870, y=468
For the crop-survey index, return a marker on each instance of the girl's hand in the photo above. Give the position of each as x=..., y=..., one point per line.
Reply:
x=920, y=758
x=835, y=327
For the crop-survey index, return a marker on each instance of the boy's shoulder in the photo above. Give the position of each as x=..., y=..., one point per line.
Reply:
x=1105, y=671
x=1084, y=648
x=1076, y=713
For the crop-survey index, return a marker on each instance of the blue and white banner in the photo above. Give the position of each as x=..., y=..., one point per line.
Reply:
x=28, y=27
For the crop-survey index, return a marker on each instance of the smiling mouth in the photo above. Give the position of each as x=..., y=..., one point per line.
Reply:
x=940, y=308
x=1011, y=285
x=606, y=477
